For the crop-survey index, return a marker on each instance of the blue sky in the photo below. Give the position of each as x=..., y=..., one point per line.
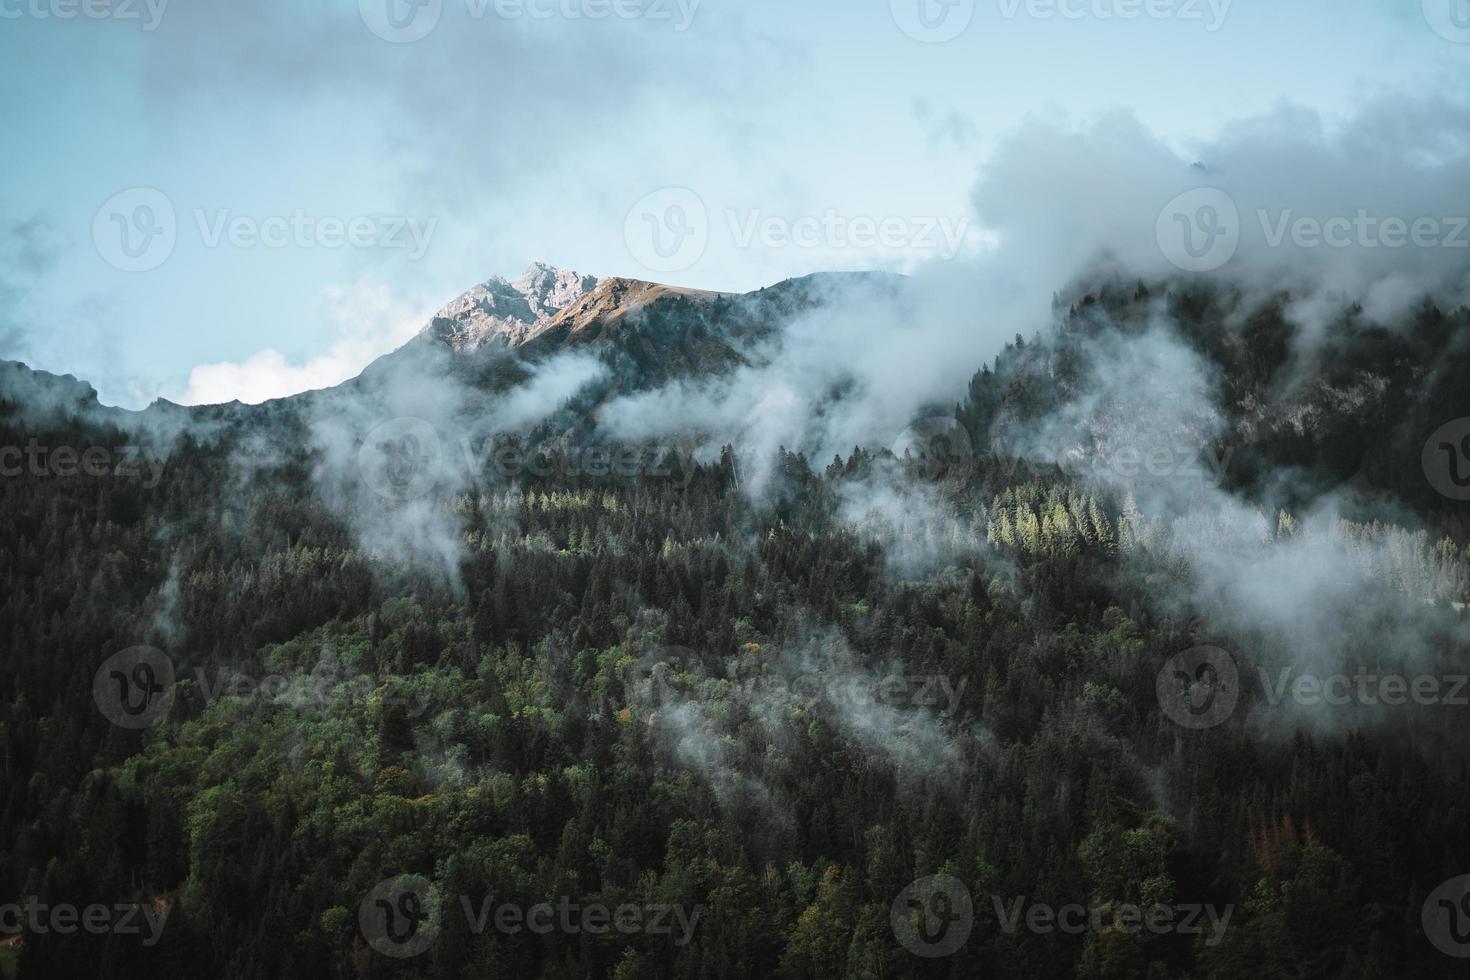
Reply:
x=330, y=188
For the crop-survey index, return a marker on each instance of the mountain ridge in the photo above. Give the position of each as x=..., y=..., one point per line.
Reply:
x=649, y=331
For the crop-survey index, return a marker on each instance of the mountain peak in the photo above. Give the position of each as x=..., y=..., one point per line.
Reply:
x=539, y=269
x=549, y=289
x=505, y=312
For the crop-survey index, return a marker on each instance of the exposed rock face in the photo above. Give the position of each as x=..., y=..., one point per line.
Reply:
x=42, y=391
x=549, y=290
x=507, y=312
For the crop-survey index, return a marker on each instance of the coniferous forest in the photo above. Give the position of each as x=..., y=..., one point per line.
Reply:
x=935, y=708
x=963, y=490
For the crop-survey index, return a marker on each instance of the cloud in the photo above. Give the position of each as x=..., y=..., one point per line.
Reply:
x=481, y=99
x=946, y=126
x=554, y=383
x=918, y=530
x=368, y=322
x=1061, y=196
x=1061, y=201
x=799, y=696
x=1067, y=206
x=27, y=252
x=415, y=420
x=852, y=370
x=1314, y=596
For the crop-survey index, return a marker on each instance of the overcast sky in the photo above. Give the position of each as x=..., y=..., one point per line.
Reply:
x=209, y=199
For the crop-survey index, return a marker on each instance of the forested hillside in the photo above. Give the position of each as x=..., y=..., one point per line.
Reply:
x=768, y=707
